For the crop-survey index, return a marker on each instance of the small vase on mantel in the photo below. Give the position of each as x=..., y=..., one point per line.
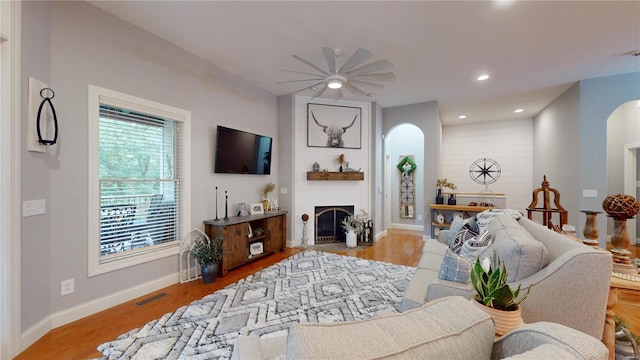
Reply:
x=504, y=321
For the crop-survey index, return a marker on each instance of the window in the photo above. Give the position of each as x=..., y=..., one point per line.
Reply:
x=138, y=180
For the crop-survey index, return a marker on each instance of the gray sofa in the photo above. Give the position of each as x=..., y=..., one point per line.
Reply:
x=571, y=288
x=448, y=328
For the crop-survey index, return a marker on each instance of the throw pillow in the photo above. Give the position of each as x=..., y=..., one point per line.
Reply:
x=454, y=268
x=456, y=225
x=477, y=247
x=521, y=253
x=463, y=235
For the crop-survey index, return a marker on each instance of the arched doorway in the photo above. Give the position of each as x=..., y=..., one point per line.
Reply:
x=623, y=157
x=401, y=141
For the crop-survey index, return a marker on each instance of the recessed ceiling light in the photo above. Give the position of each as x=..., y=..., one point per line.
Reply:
x=519, y=110
x=462, y=117
x=370, y=94
x=483, y=77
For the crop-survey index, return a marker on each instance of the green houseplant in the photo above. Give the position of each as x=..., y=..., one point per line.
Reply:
x=495, y=296
x=209, y=253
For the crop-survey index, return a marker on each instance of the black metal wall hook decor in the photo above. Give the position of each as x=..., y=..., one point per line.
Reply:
x=47, y=99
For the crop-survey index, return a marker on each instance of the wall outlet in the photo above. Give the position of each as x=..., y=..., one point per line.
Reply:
x=66, y=287
x=419, y=217
x=591, y=193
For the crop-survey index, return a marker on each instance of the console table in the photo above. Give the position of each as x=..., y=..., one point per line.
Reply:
x=237, y=243
x=618, y=288
x=466, y=210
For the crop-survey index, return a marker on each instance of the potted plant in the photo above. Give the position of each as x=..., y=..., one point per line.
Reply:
x=353, y=225
x=265, y=195
x=495, y=296
x=209, y=253
x=340, y=159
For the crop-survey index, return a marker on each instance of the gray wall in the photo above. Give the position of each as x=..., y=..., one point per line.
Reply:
x=71, y=45
x=598, y=99
x=377, y=166
x=286, y=175
x=570, y=142
x=426, y=116
x=556, y=151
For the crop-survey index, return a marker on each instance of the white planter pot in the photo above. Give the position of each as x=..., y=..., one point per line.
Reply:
x=352, y=240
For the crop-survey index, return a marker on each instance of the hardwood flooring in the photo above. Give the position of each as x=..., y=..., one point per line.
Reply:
x=78, y=340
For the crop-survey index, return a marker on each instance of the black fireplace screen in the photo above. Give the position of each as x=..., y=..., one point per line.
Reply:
x=328, y=223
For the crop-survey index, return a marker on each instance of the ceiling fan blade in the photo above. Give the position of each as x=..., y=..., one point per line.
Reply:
x=290, y=81
x=376, y=66
x=310, y=64
x=375, y=77
x=303, y=73
x=358, y=57
x=323, y=89
x=330, y=54
x=369, y=85
x=336, y=94
x=308, y=87
x=354, y=90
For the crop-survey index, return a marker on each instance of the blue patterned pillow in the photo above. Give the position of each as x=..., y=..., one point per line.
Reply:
x=454, y=268
x=463, y=235
x=456, y=225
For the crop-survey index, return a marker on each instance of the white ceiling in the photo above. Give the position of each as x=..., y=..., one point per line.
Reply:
x=533, y=50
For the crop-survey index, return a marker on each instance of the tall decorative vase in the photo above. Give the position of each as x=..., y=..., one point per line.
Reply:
x=504, y=321
x=352, y=239
x=209, y=272
x=439, y=197
x=620, y=236
x=591, y=225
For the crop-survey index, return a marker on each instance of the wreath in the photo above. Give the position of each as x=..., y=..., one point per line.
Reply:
x=407, y=160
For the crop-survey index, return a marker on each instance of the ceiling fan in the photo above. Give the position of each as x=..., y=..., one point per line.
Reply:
x=350, y=76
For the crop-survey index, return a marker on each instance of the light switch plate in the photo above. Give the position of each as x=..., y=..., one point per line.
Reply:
x=590, y=193
x=33, y=207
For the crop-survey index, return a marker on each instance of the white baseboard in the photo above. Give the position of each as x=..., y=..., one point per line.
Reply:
x=380, y=235
x=77, y=312
x=407, y=227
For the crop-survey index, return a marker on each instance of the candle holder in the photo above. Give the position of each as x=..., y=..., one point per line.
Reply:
x=591, y=232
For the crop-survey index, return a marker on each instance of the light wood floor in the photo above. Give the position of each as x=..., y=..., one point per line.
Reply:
x=78, y=340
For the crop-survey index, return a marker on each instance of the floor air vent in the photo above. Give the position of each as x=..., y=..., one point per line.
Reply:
x=150, y=299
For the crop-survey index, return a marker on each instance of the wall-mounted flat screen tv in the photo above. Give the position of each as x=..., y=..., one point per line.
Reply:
x=241, y=152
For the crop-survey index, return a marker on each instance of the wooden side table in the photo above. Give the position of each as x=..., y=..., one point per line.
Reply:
x=617, y=287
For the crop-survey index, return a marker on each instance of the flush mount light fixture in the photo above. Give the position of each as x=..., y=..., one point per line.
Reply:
x=518, y=110
x=334, y=84
x=483, y=77
x=462, y=117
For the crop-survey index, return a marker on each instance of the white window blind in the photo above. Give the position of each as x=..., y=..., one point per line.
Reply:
x=140, y=175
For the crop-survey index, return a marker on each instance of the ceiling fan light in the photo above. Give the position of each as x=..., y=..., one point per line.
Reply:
x=334, y=84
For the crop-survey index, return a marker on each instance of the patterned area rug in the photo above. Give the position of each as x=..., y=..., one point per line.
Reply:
x=310, y=286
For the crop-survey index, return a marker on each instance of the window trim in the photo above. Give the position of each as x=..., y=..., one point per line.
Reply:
x=98, y=95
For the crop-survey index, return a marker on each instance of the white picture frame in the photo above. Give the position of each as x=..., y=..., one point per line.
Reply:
x=256, y=209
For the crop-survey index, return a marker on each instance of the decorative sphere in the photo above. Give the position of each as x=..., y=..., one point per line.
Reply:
x=621, y=206
x=305, y=217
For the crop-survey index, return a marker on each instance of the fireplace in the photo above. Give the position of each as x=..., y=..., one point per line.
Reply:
x=328, y=223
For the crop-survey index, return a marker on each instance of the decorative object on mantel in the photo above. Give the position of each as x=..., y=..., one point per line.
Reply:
x=546, y=209
x=265, y=195
x=442, y=183
x=591, y=231
x=620, y=207
x=495, y=296
x=407, y=166
x=305, y=237
x=316, y=166
x=340, y=161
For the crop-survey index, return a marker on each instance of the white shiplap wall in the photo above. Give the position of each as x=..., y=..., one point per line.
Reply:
x=510, y=143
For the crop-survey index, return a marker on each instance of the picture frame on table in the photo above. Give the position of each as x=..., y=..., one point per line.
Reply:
x=334, y=126
x=256, y=209
x=242, y=209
